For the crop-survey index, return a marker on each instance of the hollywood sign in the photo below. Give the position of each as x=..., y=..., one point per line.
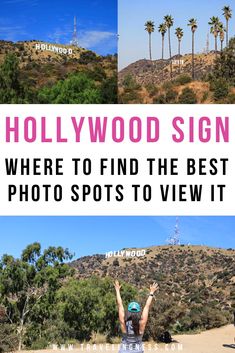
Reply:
x=178, y=62
x=53, y=48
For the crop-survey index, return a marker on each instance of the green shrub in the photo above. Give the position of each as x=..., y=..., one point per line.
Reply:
x=130, y=83
x=130, y=96
x=183, y=79
x=76, y=89
x=151, y=89
x=167, y=85
x=88, y=57
x=220, y=88
x=205, y=96
x=8, y=338
x=108, y=90
x=97, y=74
x=225, y=64
x=161, y=99
x=187, y=96
x=171, y=96
x=115, y=262
x=40, y=343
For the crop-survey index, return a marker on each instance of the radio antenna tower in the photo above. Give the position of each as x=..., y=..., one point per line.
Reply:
x=75, y=36
x=174, y=239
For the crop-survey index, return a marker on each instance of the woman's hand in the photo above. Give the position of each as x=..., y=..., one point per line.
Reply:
x=117, y=285
x=153, y=288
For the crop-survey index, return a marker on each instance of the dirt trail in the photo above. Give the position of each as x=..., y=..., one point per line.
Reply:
x=213, y=341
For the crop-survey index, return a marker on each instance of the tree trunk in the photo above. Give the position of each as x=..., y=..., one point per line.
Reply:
x=162, y=56
x=216, y=48
x=179, y=56
x=20, y=344
x=22, y=322
x=150, y=47
x=169, y=39
x=226, y=33
x=193, y=74
x=221, y=49
x=20, y=333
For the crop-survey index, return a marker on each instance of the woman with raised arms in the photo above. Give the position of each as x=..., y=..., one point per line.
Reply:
x=133, y=322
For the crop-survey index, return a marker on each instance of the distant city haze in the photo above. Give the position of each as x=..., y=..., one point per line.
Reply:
x=133, y=14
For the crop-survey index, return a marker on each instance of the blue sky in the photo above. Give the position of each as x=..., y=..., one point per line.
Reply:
x=132, y=15
x=52, y=21
x=92, y=235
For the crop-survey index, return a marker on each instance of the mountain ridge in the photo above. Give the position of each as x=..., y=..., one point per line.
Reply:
x=146, y=71
x=192, y=275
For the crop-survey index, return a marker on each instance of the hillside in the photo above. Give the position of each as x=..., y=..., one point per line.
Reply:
x=191, y=276
x=37, y=65
x=75, y=301
x=158, y=71
x=46, y=67
x=148, y=82
x=202, y=264
x=26, y=52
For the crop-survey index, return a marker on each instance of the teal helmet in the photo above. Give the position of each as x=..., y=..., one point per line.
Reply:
x=134, y=307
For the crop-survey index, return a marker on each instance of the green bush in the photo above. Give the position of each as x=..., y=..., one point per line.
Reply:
x=225, y=64
x=8, y=338
x=108, y=91
x=171, y=96
x=97, y=74
x=40, y=343
x=88, y=57
x=130, y=83
x=183, y=79
x=93, y=302
x=76, y=89
x=161, y=99
x=151, y=89
x=11, y=90
x=168, y=85
x=187, y=96
x=220, y=89
x=130, y=96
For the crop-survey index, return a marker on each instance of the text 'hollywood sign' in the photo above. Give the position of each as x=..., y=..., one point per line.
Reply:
x=53, y=48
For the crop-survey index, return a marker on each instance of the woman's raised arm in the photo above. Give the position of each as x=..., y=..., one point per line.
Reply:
x=144, y=318
x=121, y=311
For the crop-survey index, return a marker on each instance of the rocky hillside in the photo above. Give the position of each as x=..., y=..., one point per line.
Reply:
x=158, y=71
x=192, y=274
x=27, y=52
x=44, y=67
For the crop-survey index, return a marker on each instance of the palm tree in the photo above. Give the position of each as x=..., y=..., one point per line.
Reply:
x=222, y=31
x=227, y=12
x=149, y=27
x=169, y=21
x=193, y=24
x=162, y=29
x=179, y=34
x=214, y=23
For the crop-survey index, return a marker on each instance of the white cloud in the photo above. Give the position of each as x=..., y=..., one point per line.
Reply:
x=86, y=39
x=61, y=35
x=11, y=32
x=89, y=39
